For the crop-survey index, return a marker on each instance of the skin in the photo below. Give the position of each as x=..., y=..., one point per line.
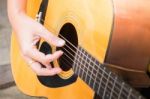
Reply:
x=28, y=35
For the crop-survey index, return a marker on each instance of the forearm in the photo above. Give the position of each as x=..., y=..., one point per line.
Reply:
x=16, y=8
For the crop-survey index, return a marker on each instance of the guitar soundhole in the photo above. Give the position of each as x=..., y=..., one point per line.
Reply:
x=69, y=34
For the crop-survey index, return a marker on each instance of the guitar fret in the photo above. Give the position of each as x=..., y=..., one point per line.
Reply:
x=106, y=95
x=86, y=65
x=101, y=92
x=74, y=64
x=103, y=84
x=129, y=93
x=87, y=80
x=88, y=71
x=110, y=83
x=76, y=61
x=91, y=83
x=95, y=71
x=111, y=94
x=91, y=76
x=122, y=85
x=125, y=91
x=100, y=79
x=97, y=79
x=100, y=73
x=84, y=74
x=109, y=87
x=116, y=88
x=81, y=62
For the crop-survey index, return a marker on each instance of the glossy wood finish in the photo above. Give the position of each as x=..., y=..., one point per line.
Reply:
x=92, y=20
x=130, y=42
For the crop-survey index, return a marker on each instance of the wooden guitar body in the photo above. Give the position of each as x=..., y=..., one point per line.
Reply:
x=103, y=27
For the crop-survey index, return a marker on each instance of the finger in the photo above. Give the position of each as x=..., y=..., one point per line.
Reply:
x=35, y=40
x=36, y=67
x=30, y=61
x=54, y=56
x=38, y=56
x=42, y=58
x=50, y=38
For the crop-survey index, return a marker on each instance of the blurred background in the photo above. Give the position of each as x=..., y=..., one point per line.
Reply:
x=8, y=90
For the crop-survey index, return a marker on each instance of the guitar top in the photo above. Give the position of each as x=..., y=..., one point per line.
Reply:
x=102, y=38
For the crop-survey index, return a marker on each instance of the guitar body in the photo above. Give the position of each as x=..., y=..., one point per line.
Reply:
x=94, y=23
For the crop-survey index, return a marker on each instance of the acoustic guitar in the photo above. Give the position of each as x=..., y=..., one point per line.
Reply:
x=98, y=33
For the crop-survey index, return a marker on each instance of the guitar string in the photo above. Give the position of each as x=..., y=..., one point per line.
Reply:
x=124, y=88
x=79, y=66
x=83, y=54
x=95, y=75
x=42, y=20
x=108, y=87
x=76, y=49
x=96, y=82
x=87, y=57
x=92, y=66
x=120, y=84
x=102, y=81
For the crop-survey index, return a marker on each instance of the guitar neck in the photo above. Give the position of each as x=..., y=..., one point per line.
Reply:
x=105, y=83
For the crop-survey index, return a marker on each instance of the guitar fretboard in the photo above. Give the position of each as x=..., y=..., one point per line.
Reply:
x=104, y=82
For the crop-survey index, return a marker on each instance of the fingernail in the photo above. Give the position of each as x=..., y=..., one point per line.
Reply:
x=58, y=70
x=61, y=42
x=61, y=52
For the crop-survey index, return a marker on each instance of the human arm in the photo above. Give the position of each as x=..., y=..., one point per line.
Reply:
x=28, y=33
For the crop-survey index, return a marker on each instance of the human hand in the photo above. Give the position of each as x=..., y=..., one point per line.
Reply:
x=28, y=33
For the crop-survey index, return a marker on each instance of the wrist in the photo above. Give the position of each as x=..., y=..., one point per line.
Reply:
x=16, y=19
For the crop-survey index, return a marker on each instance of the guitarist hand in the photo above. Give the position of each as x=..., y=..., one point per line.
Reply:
x=28, y=33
